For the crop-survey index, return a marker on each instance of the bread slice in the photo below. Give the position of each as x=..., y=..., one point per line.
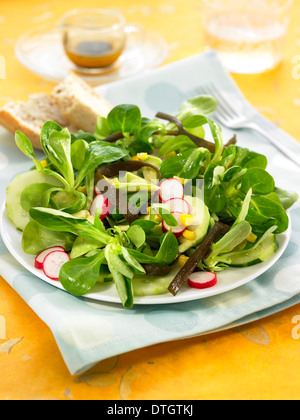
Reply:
x=79, y=103
x=29, y=117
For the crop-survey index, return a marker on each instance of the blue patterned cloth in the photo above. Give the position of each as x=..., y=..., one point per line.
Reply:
x=89, y=331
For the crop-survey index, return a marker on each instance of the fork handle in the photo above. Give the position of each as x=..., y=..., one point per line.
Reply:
x=288, y=153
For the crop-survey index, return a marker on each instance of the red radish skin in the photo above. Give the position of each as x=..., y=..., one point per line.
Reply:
x=178, y=205
x=177, y=230
x=202, y=280
x=170, y=188
x=100, y=201
x=39, y=261
x=53, y=264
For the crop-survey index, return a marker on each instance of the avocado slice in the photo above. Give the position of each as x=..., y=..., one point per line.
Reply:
x=200, y=225
x=149, y=173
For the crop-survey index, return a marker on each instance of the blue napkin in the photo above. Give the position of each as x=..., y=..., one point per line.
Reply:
x=88, y=331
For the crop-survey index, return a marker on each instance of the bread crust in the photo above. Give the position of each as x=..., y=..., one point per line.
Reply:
x=29, y=117
x=73, y=104
x=79, y=103
x=12, y=124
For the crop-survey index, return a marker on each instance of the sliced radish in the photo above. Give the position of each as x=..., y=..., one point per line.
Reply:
x=100, y=202
x=177, y=230
x=53, y=264
x=202, y=280
x=178, y=205
x=39, y=261
x=170, y=188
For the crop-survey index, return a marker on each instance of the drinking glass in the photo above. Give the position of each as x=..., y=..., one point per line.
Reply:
x=249, y=35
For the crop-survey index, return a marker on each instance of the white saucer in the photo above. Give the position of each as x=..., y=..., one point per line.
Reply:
x=41, y=51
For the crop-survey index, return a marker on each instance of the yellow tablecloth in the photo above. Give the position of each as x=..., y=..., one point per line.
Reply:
x=257, y=361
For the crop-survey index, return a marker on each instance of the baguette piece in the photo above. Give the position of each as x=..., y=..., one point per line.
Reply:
x=79, y=103
x=29, y=117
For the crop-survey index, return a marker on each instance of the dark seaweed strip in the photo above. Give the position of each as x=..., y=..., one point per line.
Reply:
x=231, y=142
x=114, y=196
x=155, y=270
x=114, y=137
x=202, y=252
x=197, y=140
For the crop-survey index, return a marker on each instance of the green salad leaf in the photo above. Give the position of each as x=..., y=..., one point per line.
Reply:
x=80, y=275
x=226, y=186
x=36, y=238
x=56, y=144
x=97, y=154
x=200, y=105
x=125, y=118
x=65, y=158
x=60, y=221
x=188, y=164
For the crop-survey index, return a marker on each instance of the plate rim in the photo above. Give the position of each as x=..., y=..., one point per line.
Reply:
x=164, y=299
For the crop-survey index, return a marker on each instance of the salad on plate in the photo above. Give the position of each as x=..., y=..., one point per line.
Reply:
x=147, y=204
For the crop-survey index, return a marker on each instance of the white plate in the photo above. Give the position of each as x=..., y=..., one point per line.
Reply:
x=41, y=51
x=227, y=280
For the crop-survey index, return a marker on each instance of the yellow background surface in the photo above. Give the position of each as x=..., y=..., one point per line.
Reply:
x=257, y=361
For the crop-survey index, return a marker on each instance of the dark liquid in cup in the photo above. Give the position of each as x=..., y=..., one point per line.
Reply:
x=93, y=54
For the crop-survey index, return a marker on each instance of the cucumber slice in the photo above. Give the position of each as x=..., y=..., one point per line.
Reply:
x=15, y=212
x=150, y=286
x=147, y=286
x=256, y=255
x=105, y=278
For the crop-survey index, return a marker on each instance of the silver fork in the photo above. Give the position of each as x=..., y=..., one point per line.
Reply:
x=233, y=118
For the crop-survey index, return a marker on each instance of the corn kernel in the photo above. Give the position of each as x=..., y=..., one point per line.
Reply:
x=186, y=219
x=183, y=260
x=170, y=154
x=252, y=238
x=134, y=158
x=189, y=235
x=44, y=163
x=179, y=179
x=142, y=156
x=82, y=190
